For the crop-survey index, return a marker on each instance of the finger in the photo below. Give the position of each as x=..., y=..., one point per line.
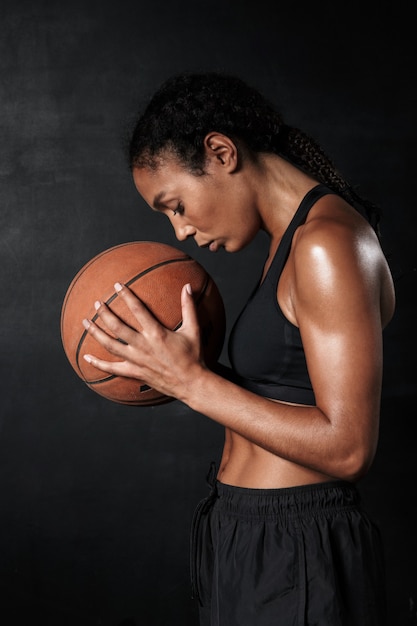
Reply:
x=189, y=311
x=111, y=344
x=106, y=366
x=116, y=368
x=114, y=324
x=142, y=314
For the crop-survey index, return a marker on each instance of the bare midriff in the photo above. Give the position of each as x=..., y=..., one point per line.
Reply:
x=245, y=464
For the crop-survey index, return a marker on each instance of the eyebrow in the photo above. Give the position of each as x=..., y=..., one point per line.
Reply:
x=157, y=201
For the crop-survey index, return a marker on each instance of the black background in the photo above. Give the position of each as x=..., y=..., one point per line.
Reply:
x=96, y=498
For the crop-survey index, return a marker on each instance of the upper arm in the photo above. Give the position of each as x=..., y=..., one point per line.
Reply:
x=336, y=301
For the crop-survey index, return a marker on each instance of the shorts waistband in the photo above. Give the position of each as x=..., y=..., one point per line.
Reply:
x=288, y=501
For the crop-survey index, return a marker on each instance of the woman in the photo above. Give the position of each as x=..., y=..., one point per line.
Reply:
x=281, y=539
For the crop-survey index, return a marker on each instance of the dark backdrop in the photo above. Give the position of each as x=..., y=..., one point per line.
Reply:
x=96, y=498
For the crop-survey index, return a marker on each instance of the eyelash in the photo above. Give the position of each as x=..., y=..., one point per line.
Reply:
x=179, y=210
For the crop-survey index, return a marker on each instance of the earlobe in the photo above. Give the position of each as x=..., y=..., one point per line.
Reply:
x=222, y=150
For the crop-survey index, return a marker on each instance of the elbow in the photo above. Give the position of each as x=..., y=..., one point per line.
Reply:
x=354, y=463
x=354, y=469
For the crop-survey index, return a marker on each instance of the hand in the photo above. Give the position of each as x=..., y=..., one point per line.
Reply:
x=165, y=360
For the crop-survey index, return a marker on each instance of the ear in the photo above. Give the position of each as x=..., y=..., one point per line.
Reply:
x=222, y=151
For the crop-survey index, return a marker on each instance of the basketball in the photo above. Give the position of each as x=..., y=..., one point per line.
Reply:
x=156, y=273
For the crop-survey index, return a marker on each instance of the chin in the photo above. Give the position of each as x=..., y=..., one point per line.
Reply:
x=236, y=247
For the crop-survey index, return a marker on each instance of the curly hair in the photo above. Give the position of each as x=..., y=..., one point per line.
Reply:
x=189, y=106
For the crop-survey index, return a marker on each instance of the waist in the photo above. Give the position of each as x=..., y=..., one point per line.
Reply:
x=245, y=464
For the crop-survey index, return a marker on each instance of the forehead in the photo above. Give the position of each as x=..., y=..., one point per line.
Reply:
x=169, y=178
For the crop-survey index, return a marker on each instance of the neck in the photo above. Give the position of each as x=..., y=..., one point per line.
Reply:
x=280, y=188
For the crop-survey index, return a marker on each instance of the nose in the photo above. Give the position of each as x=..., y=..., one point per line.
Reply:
x=183, y=232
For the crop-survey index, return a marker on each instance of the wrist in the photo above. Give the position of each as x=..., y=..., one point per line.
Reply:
x=194, y=387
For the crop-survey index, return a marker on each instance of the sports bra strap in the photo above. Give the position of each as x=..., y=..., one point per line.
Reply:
x=299, y=217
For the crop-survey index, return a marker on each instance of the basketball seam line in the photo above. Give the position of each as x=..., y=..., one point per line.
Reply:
x=114, y=296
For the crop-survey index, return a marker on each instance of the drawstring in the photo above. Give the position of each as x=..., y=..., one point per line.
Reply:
x=195, y=545
x=302, y=572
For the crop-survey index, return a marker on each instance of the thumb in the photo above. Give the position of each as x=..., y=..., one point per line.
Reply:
x=189, y=311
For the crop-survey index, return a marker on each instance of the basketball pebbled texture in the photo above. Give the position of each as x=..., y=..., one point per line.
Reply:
x=156, y=273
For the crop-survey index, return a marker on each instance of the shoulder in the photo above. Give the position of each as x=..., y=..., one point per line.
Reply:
x=334, y=235
x=336, y=256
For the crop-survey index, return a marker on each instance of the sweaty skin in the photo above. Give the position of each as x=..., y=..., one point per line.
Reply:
x=270, y=444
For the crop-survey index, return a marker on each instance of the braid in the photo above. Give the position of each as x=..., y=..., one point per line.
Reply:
x=308, y=155
x=189, y=106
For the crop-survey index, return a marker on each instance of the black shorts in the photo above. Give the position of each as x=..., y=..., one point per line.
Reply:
x=300, y=556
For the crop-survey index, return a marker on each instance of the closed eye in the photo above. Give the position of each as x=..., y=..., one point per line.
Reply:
x=179, y=210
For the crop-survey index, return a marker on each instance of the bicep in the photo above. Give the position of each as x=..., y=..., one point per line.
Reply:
x=337, y=309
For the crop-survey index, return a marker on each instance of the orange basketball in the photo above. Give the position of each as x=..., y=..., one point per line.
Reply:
x=156, y=273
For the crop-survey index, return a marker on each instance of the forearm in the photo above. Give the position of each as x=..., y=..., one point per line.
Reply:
x=301, y=434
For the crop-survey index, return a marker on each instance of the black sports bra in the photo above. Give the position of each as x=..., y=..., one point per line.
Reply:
x=265, y=349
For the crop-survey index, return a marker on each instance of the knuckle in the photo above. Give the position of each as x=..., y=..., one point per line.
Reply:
x=110, y=321
x=156, y=333
x=135, y=307
x=114, y=347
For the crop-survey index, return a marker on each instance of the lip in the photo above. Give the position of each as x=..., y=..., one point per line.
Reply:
x=213, y=246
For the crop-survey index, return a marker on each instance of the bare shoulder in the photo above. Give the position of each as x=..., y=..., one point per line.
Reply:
x=337, y=253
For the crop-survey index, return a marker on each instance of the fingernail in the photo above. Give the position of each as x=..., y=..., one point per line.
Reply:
x=97, y=305
x=118, y=287
x=189, y=290
x=86, y=324
x=88, y=358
